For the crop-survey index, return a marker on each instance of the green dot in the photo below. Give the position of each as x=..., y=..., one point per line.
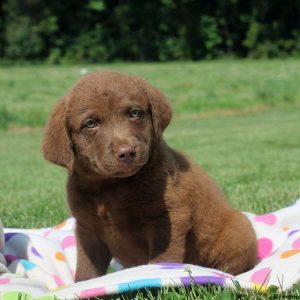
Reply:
x=16, y=295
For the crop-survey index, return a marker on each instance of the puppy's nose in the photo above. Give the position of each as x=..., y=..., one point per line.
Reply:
x=126, y=153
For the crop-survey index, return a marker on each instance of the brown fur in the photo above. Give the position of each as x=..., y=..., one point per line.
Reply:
x=154, y=205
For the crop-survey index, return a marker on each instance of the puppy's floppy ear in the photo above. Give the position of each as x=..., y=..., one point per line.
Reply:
x=160, y=109
x=57, y=146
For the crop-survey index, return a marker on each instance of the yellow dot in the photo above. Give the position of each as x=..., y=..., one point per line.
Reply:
x=286, y=228
x=260, y=287
x=60, y=256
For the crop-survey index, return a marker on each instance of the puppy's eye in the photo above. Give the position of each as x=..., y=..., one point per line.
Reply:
x=90, y=123
x=135, y=113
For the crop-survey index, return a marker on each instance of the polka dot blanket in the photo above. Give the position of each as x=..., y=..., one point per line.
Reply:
x=41, y=263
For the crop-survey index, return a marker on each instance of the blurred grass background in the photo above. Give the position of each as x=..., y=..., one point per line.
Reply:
x=239, y=119
x=27, y=93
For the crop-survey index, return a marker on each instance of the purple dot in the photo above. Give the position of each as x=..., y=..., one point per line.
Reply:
x=171, y=265
x=293, y=231
x=10, y=258
x=203, y=280
x=35, y=252
x=9, y=235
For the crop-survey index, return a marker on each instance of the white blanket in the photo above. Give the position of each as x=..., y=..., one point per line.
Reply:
x=41, y=262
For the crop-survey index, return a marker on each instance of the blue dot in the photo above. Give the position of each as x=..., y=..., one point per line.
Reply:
x=27, y=264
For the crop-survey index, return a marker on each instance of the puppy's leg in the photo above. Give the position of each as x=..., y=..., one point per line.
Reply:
x=93, y=256
x=235, y=250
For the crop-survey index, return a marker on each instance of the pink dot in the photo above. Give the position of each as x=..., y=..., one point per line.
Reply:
x=261, y=276
x=268, y=219
x=93, y=293
x=265, y=246
x=68, y=241
x=296, y=244
x=4, y=281
x=47, y=232
x=223, y=275
x=58, y=280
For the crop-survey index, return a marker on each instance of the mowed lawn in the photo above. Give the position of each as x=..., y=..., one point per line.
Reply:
x=255, y=157
x=27, y=93
x=240, y=120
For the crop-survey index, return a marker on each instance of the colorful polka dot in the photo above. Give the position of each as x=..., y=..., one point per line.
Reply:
x=260, y=287
x=10, y=258
x=58, y=280
x=73, y=273
x=60, y=256
x=68, y=241
x=290, y=253
x=15, y=295
x=265, y=247
x=35, y=252
x=293, y=232
x=223, y=275
x=138, y=284
x=28, y=265
x=59, y=226
x=96, y=292
x=261, y=276
x=171, y=265
x=188, y=280
x=9, y=235
x=47, y=232
x=4, y=281
x=269, y=219
x=296, y=244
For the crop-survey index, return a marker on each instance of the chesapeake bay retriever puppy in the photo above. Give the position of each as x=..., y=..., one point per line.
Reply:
x=133, y=197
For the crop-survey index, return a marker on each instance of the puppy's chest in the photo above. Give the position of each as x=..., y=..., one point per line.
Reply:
x=124, y=211
x=119, y=218
x=125, y=233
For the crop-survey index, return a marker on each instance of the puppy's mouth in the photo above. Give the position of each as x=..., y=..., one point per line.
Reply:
x=113, y=168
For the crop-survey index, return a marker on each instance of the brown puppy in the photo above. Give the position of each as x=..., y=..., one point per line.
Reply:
x=133, y=197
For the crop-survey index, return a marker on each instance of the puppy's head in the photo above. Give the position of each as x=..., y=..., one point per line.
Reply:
x=106, y=124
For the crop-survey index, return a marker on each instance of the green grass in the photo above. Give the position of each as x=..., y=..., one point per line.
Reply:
x=28, y=92
x=239, y=119
x=210, y=292
x=32, y=192
x=255, y=157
